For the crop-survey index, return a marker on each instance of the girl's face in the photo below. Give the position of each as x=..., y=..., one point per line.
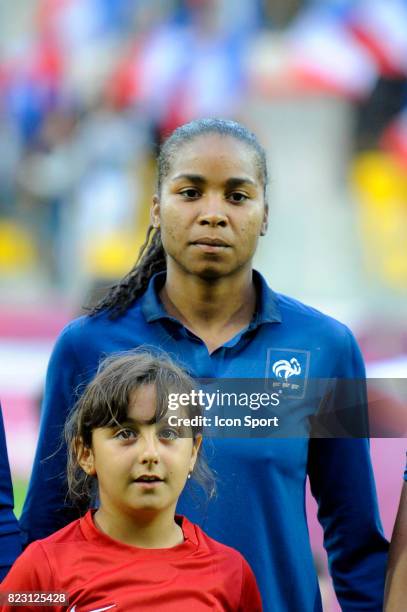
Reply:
x=140, y=466
x=211, y=209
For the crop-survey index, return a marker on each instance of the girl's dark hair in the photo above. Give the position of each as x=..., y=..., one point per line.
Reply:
x=105, y=403
x=151, y=258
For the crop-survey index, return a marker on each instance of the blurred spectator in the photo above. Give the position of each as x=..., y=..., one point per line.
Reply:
x=47, y=174
x=280, y=13
x=108, y=202
x=10, y=153
x=378, y=110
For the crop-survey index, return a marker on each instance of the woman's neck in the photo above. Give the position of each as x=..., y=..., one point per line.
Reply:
x=147, y=530
x=210, y=307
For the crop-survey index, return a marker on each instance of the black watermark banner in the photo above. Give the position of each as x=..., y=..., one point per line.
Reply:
x=280, y=408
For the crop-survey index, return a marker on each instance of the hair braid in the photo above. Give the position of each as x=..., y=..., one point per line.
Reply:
x=151, y=259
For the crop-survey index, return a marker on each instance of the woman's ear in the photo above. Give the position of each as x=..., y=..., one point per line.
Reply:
x=85, y=458
x=265, y=223
x=195, y=451
x=155, y=212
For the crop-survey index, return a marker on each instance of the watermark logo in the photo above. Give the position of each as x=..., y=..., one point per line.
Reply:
x=219, y=400
x=285, y=369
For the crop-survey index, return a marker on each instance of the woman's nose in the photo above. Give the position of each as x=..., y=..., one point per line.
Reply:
x=213, y=212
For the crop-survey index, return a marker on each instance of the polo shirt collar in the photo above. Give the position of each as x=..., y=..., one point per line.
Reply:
x=267, y=310
x=151, y=305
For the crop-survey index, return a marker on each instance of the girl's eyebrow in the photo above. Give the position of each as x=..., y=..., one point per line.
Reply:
x=128, y=422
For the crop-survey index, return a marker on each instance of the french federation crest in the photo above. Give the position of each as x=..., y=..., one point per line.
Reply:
x=287, y=371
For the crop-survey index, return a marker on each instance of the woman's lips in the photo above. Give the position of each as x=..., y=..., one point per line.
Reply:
x=210, y=245
x=210, y=248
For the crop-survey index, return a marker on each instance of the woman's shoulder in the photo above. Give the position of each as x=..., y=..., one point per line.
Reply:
x=87, y=324
x=88, y=330
x=296, y=312
x=232, y=568
x=70, y=533
x=38, y=557
x=219, y=551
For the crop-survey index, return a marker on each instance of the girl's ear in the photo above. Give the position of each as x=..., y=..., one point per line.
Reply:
x=155, y=212
x=85, y=458
x=195, y=451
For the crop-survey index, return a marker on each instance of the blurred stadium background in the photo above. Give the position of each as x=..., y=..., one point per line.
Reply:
x=88, y=88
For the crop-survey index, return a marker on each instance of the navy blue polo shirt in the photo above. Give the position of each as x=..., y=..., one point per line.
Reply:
x=10, y=541
x=260, y=504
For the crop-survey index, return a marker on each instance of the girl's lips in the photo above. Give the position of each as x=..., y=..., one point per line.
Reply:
x=148, y=481
x=148, y=484
x=148, y=478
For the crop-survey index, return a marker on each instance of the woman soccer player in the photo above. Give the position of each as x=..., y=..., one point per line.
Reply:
x=396, y=580
x=133, y=553
x=194, y=292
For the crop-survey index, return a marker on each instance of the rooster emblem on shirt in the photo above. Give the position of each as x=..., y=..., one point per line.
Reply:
x=284, y=368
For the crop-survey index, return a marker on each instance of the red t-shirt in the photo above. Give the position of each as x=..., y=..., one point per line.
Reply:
x=100, y=573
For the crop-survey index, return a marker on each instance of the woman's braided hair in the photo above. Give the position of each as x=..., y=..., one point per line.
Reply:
x=121, y=296
x=152, y=258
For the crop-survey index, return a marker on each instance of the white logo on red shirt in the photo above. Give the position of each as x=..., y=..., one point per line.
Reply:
x=95, y=610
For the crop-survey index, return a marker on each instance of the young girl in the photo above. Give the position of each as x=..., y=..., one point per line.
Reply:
x=132, y=553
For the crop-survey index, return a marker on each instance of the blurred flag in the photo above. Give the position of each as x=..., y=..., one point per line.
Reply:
x=326, y=55
x=178, y=73
x=380, y=27
x=342, y=46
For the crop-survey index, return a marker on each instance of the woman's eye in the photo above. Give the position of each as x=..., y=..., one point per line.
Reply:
x=190, y=193
x=237, y=197
x=169, y=434
x=126, y=434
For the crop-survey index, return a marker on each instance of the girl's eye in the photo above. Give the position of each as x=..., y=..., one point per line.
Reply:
x=126, y=434
x=237, y=197
x=168, y=434
x=190, y=193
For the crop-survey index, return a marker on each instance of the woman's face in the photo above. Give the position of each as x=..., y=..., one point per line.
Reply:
x=211, y=209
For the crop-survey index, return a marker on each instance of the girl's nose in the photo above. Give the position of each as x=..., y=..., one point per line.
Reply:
x=149, y=450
